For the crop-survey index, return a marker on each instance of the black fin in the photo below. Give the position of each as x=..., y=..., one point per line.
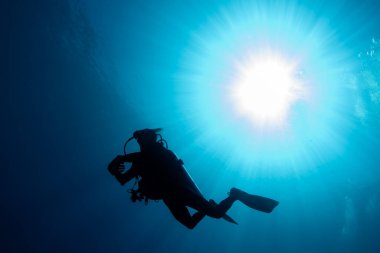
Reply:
x=259, y=203
x=256, y=202
x=229, y=219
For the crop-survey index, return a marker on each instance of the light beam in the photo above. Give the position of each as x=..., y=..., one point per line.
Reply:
x=263, y=85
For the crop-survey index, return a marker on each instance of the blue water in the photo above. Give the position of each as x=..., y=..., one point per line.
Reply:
x=81, y=76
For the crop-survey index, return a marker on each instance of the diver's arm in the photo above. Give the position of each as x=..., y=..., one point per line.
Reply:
x=124, y=178
x=129, y=158
x=116, y=167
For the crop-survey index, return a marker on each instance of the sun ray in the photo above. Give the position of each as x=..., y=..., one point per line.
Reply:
x=266, y=88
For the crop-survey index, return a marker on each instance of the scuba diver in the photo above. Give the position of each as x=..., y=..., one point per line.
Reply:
x=160, y=175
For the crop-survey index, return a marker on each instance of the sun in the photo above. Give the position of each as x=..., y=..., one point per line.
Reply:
x=265, y=87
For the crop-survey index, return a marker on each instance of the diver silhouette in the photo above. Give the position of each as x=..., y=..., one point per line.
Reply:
x=160, y=175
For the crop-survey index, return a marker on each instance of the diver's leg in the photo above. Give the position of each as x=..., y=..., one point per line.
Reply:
x=182, y=214
x=214, y=210
x=223, y=205
x=211, y=208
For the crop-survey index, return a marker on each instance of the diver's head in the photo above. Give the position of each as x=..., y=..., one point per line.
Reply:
x=146, y=137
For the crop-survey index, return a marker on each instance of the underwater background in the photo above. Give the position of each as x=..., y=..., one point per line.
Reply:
x=80, y=76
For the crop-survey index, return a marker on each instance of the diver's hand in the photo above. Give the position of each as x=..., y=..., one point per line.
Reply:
x=116, y=166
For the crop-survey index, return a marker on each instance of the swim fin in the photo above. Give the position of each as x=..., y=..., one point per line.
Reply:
x=256, y=202
x=229, y=219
